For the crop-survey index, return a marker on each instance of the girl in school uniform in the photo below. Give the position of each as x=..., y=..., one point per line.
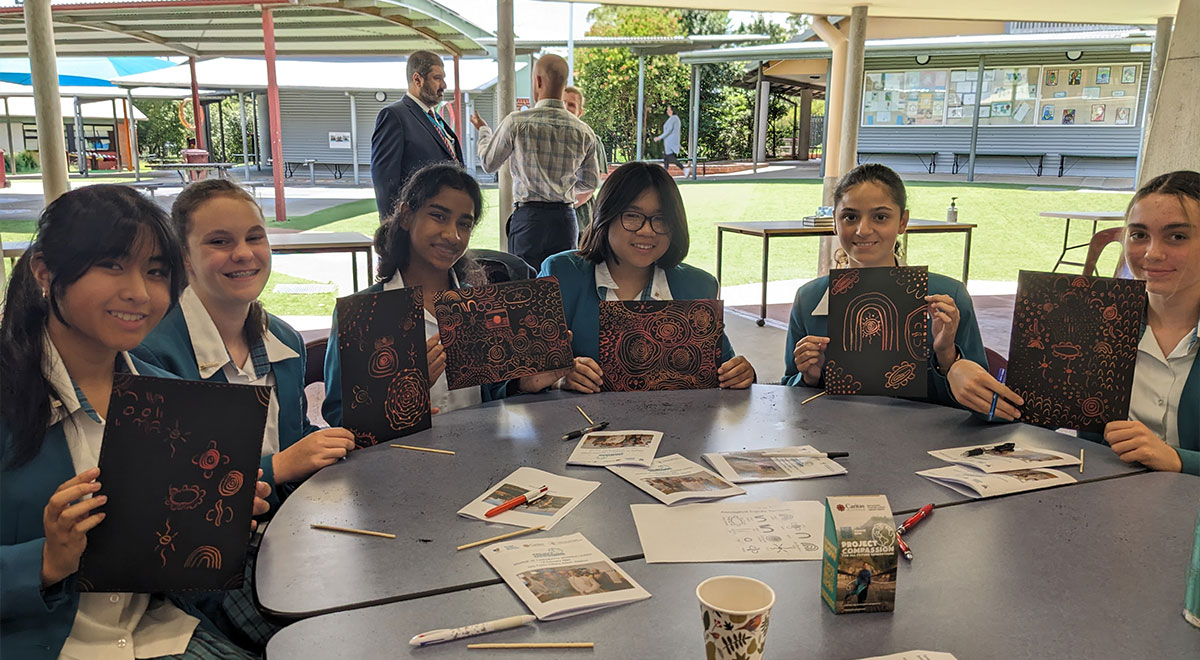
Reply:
x=102, y=271
x=220, y=332
x=870, y=213
x=1162, y=247
x=633, y=250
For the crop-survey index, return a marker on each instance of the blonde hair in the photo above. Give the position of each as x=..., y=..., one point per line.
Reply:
x=572, y=89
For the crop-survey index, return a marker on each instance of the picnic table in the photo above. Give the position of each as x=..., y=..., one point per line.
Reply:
x=222, y=169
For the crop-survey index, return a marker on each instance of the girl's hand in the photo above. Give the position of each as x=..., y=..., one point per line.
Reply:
x=313, y=452
x=262, y=490
x=736, y=374
x=67, y=519
x=944, y=315
x=435, y=356
x=809, y=356
x=586, y=377
x=1134, y=443
x=973, y=386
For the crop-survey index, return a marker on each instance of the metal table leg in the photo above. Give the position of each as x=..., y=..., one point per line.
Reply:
x=1063, y=256
x=720, y=232
x=966, y=258
x=354, y=268
x=762, y=314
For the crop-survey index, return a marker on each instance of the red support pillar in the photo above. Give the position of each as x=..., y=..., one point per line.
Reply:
x=458, y=109
x=199, y=130
x=268, y=23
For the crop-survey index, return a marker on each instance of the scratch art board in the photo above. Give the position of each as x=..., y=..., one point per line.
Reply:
x=1073, y=348
x=660, y=344
x=385, y=375
x=878, y=332
x=501, y=331
x=180, y=486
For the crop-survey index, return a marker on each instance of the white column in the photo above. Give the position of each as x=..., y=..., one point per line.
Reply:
x=245, y=145
x=694, y=119
x=52, y=150
x=1170, y=129
x=133, y=143
x=506, y=102
x=570, y=43
x=852, y=106
x=354, y=136
x=641, y=105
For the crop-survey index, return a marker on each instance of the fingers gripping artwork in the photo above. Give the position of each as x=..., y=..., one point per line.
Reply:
x=385, y=376
x=878, y=332
x=180, y=486
x=1073, y=348
x=661, y=344
x=501, y=331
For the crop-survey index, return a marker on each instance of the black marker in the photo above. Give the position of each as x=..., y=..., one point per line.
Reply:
x=579, y=432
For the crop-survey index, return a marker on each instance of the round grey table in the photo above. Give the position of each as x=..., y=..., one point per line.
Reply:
x=1094, y=571
x=415, y=495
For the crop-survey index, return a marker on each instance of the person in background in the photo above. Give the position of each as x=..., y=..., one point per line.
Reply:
x=670, y=139
x=574, y=100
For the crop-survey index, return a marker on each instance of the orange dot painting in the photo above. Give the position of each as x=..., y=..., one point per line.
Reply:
x=231, y=483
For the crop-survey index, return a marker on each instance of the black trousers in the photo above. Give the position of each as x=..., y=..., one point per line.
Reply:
x=537, y=230
x=671, y=158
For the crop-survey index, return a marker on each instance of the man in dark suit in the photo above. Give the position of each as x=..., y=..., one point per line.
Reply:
x=409, y=134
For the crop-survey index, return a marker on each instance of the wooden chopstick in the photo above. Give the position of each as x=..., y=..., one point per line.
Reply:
x=585, y=416
x=535, y=645
x=501, y=537
x=351, y=530
x=428, y=449
x=815, y=396
x=1080, y=461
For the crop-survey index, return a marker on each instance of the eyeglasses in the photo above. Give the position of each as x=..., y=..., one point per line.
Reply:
x=632, y=222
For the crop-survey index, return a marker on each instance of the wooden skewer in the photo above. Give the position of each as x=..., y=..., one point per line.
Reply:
x=502, y=537
x=428, y=449
x=537, y=645
x=351, y=530
x=1080, y=461
x=585, y=416
x=815, y=396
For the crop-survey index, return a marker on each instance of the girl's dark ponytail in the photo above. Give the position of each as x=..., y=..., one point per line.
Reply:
x=24, y=391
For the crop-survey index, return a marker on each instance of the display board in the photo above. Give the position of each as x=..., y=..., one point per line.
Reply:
x=905, y=98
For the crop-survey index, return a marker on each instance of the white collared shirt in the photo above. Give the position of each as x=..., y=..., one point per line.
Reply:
x=420, y=104
x=212, y=356
x=606, y=286
x=440, y=394
x=1158, y=382
x=109, y=626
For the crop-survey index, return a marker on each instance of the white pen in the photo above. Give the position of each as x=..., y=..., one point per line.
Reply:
x=451, y=634
x=807, y=454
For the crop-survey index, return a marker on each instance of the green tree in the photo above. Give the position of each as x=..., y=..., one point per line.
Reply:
x=160, y=133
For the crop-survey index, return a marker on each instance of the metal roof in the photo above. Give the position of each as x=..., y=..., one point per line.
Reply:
x=212, y=28
x=639, y=45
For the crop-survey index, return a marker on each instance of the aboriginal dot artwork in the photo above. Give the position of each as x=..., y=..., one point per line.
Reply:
x=385, y=382
x=661, y=344
x=177, y=457
x=502, y=331
x=878, y=329
x=1073, y=348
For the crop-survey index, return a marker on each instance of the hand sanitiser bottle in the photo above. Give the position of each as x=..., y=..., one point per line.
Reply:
x=952, y=212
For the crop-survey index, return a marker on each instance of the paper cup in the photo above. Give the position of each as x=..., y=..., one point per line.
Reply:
x=735, y=611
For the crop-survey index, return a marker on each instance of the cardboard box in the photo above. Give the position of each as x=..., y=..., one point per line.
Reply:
x=859, y=557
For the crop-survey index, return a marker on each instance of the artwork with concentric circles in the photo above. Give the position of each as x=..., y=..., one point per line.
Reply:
x=180, y=486
x=502, y=331
x=660, y=344
x=878, y=332
x=385, y=376
x=1073, y=348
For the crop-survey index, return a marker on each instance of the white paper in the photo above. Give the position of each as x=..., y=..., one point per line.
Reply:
x=564, y=495
x=976, y=484
x=603, y=448
x=965, y=87
x=777, y=464
x=915, y=655
x=1021, y=112
x=1022, y=457
x=562, y=576
x=672, y=479
x=730, y=531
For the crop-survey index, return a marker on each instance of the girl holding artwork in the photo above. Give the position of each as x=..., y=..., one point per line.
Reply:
x=870, y=213
x=220, y=332
x=633, y=250
x=1162, y=247
x=102, y=271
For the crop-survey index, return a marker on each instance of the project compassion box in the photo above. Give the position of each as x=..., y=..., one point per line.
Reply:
x=859, y=557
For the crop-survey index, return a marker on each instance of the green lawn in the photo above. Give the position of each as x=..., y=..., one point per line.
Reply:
x=1010, y=235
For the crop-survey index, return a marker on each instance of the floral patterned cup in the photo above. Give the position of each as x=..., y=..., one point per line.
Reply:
x=735, y=611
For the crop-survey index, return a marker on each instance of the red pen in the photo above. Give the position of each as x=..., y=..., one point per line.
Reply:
x=904, y=547
x=914, y=519
x=517, y=501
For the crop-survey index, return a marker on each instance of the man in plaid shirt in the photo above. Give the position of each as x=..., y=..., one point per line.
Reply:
x=552, y=157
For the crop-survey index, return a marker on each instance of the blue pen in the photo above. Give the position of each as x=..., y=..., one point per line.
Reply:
x=996, y=395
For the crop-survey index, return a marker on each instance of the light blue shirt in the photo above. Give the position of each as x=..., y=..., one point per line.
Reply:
x=670, y=135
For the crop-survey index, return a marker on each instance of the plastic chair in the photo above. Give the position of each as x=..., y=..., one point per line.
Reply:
x=314, y=355
x=1100, y=240
x=502, y=266
x=996, y=362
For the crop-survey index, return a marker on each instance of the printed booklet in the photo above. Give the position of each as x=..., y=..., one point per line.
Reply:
x=563, y=496
x=1005, y=458
x=772, y=464
x=672, y=479
x=976, y=484
x=561, y=577
x=603, y=448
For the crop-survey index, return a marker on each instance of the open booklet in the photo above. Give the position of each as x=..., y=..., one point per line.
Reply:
x=976, y=484
x=672, y=479
x=1005, y=458
x=772, y=464
x=563, y=495
x=603, y=448
x=561, y=577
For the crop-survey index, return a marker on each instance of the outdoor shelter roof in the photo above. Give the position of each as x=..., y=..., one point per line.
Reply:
x=639, y=45
x=14, y=90
x=1090, y=11
x=212, y=28
x=21, y=106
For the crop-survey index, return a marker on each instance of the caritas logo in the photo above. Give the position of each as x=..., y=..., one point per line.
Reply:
x=841, y=507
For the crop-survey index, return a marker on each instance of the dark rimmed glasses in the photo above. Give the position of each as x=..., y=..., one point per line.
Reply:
x=632, y=222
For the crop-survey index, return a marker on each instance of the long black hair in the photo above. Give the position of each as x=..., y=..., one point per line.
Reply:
x=392, y=241
x=74, y=232
x=622, y=187
x=192, y=198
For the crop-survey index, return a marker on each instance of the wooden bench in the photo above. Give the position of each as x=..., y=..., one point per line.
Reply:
x=1062, y=161
x=338, y=170
x=930, y=164
x=1026, y=156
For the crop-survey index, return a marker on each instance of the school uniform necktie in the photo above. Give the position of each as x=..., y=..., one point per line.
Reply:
x=442, y=132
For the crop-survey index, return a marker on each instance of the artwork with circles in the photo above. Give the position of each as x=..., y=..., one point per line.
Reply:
x=385, y=377
x=1073, y=348
x=180, y=486
x=661, y=344
x=502, y=331
x=878, y=332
